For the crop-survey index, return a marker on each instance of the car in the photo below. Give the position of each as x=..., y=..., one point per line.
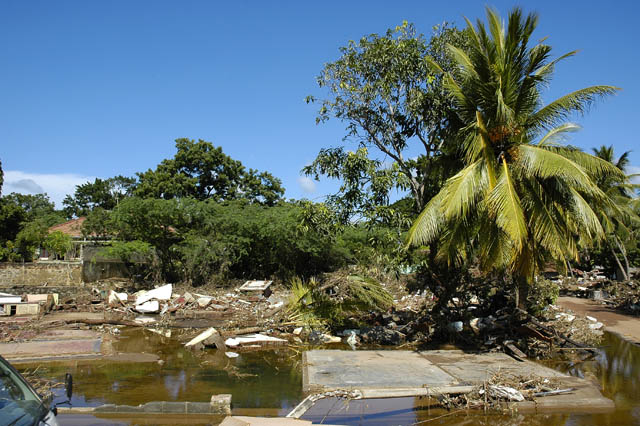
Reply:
x=20, y=404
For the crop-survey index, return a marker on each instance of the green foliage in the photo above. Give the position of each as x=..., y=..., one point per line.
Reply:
x=98, y=224
x=620, y=220
x=384, y=89
x=12, y=216
x=340, y=296
x=199, y=241
x=102, y=193
x=30, y=238
x=24, y=220
x=128, y=251
x=58, y=243
x=1, y=177
x=137, y=256
x=522, y=196
x=542, y=293
x=201, y=171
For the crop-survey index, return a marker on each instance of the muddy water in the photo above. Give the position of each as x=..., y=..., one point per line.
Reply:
x=269, y=383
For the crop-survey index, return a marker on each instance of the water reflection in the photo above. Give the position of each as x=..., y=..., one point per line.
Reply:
x=270, y=382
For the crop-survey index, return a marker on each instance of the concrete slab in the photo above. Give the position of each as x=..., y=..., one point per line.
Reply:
x=393, y=374
x=50, y=348
x=335, y=369
x=474, y=369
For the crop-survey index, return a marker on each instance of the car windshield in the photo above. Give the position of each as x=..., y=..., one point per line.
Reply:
x=19, y=404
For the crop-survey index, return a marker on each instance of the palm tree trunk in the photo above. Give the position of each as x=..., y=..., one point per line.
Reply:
x=615, y=256
x=522, y=292
x=623, y=250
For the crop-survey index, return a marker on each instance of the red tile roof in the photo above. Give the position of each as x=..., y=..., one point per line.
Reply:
x=72, y=227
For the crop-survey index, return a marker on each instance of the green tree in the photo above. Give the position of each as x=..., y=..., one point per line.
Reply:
x=101, y=193
x=396, y=109
x=620, y=223
x=58, y=243
x=98, y=225
x=522, y=196
x=29, y=239
x=37, y=206
x=1, y=177
x=202, y=171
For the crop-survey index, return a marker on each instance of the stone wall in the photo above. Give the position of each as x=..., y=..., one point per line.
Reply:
x=40, y=273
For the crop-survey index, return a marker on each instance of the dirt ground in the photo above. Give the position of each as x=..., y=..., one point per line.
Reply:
x=626, y=326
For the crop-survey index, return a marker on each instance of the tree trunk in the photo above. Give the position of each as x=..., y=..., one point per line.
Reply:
x=522, y=292
x=623, y=250
x=620, y=267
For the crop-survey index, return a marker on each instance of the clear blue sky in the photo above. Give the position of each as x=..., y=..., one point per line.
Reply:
x=99, y=88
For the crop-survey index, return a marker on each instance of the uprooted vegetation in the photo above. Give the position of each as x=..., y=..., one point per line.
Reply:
x=336, y=298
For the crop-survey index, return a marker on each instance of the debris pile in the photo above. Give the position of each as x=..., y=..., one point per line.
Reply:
x=503, y=388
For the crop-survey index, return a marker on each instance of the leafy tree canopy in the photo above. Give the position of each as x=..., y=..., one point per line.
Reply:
x=101, y=193
x=522, y=195
x=202, y=171
x=396, y=109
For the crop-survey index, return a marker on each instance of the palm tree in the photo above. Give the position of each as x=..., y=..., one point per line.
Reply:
x=522, y=196
x=618, y=225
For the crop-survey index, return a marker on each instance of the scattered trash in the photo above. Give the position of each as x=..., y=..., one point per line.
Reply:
x=159, y=293
x=261, y=287
x=149, y=307
x=200, y=338
x=232, y=354
x=254, y=339
x=144, y=320
x=456, y=326
x=317, y=337
x=116, y=298
x=162, y=332
x=505, y=392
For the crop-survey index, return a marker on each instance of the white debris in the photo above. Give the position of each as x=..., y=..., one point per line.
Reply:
x=9, y=298
x=351, y=340
x=149, y=307
x=203, y=302
x=144, y=320
x=297, y=331
x=505, y=392
x=231, y=354
x=592, y=319
x=596, y=326
x=160, y=293
x=188, y=298
x=202, y=336
x=231, y=342
x=474, y=325
x=162, y=332
x=249, y=339
x=115, y=298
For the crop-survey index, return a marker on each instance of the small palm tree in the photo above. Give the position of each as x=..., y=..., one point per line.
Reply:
x=522, y=196
x=620, y=223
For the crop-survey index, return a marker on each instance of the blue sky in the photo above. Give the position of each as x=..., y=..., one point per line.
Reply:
x=95, y=89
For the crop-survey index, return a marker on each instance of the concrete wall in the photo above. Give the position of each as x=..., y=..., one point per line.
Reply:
x=37, y=274
x=97, y=267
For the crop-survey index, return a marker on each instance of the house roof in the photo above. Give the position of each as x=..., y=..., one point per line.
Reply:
x=72, y=227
